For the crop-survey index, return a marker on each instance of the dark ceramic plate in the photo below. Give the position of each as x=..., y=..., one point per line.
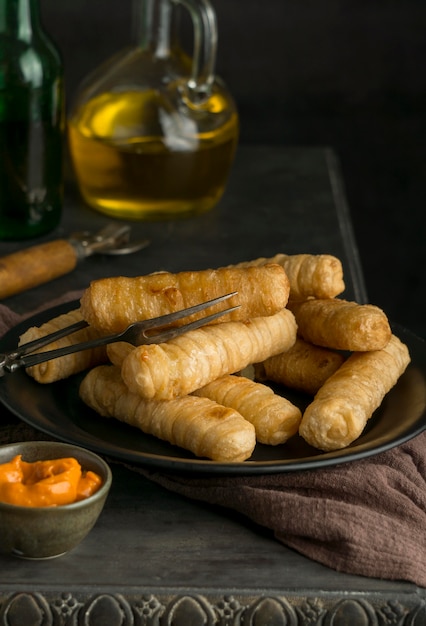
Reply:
x=57, y=410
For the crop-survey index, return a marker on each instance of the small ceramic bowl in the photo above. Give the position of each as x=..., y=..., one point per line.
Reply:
x=47, y=532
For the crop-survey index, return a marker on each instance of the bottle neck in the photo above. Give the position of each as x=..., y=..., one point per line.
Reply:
x=20, y=18
x=153, y=23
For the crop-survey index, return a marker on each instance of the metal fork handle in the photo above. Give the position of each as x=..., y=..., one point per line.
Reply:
x=9, y=360
x=35, y=359
x=36, y=344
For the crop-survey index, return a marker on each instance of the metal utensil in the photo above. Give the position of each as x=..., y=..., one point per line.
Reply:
x=40, y=264
x=154, y=330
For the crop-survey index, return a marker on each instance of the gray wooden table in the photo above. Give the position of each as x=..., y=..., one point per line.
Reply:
x=157, y=558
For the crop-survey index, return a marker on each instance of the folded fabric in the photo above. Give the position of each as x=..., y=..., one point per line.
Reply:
x=366, y=517
x=7, y=319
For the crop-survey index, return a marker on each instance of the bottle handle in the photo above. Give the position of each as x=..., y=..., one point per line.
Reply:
x=205, y=45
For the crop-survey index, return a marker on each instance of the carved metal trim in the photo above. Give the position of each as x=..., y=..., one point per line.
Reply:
x=104, y=609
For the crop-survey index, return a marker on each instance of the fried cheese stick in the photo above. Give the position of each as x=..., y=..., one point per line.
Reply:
x=275, y=418
x=303, y=367
x=342, y=325
x=111, y=304
x=310, y=275
x=65, y=366
x=341, y=408
x=190, y=361
x=196, y=424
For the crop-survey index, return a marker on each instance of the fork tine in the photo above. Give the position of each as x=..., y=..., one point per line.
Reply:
x=170, y=333
x=169, y=318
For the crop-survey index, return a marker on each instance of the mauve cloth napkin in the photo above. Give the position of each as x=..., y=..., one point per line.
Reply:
x=366, y=517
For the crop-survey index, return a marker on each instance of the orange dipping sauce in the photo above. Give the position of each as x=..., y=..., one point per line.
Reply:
x=46, y=483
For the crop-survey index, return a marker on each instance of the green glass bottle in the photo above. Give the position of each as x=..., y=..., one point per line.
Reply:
x=31, y=124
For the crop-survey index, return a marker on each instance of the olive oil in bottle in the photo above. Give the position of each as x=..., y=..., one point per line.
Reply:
x=153, y=175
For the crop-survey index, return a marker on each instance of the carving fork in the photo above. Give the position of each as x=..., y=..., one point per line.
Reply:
x=39, y=264
x=154, y=330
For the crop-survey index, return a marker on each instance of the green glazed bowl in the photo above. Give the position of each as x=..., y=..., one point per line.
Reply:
x=47, y=532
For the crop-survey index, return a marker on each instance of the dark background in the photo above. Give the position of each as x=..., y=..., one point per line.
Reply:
x=345, y=74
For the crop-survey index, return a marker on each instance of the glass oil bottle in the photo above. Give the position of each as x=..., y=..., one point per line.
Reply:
x=153, y=132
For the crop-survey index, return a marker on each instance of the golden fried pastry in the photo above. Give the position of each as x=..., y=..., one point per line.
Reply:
x=111, y=304
x=62, y=367
x=196, y=424
x=118, y=351
x=186, y=363
x=303, y=367
x=310, y=275
x=341, y=408
x=275, y=419
x=341, y=325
